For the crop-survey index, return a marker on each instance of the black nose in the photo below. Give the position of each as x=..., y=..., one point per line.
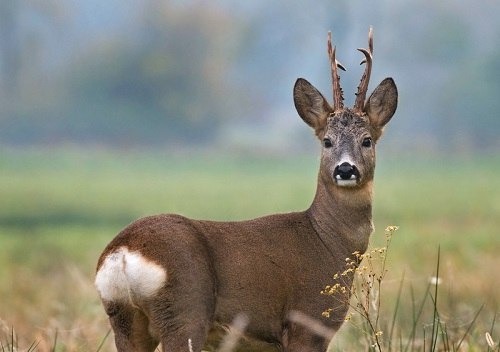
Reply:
x=345, y=171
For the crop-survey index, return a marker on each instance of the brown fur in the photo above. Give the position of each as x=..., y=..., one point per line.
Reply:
x=266, y=267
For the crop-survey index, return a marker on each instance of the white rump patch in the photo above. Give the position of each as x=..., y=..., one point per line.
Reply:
x=124, y=273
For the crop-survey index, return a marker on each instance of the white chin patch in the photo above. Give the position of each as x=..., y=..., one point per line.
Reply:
x=346, y=183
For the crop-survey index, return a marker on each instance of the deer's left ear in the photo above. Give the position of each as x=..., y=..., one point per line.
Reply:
x=382, y=104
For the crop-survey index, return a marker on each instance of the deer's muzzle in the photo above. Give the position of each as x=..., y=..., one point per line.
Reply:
x=346, y=174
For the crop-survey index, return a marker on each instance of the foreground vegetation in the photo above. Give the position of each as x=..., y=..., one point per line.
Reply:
x=58, y=209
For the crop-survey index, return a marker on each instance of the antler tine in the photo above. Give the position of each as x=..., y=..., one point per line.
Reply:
x=365, y=79
x=338, y=95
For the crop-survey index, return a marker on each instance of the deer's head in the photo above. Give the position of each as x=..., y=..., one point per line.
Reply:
x=348, y=135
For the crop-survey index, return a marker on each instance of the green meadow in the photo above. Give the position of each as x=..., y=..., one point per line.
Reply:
x=59, y=208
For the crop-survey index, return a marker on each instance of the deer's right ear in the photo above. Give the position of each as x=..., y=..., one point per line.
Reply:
x=311, y=105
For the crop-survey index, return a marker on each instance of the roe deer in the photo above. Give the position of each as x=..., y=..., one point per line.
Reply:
x=169, y=279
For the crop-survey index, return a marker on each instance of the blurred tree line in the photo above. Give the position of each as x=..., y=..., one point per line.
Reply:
x=173, y=72
x=164, y=82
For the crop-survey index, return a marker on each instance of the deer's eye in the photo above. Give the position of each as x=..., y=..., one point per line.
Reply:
x=327, y=143
x=367, y=142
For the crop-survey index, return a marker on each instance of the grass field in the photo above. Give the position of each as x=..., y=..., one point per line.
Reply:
x=58, y=209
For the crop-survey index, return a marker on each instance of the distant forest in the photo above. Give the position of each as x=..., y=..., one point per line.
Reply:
x=151, y=73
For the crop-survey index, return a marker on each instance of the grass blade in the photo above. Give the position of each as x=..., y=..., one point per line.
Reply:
x=55, y=341
x=103, y=340
x=435, y=320
x=33, y=346
x=416, y=318
x=469, y=327
x=396, y=308
x=491, y=332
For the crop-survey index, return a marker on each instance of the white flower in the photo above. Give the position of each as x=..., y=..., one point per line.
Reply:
x=435, y=280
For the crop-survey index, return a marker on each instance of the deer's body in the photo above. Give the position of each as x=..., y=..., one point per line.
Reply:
x=171, y=279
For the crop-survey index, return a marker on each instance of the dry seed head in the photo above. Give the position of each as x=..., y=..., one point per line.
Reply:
x=327, y=312
x=489, y=340
x=347, y=271
x=331, y=290
x=391, y=228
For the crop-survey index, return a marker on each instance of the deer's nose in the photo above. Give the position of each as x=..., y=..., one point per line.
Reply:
x=345, y=171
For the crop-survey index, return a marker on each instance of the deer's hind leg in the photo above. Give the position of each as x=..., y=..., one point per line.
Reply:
x=182, y=312
x=131, y=328
x=177, y=325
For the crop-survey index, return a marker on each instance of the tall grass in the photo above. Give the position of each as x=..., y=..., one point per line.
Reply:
x=58, y=209
x=427, y=328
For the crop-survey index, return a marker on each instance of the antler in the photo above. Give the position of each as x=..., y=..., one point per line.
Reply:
x=338, y=94
x=365, y=79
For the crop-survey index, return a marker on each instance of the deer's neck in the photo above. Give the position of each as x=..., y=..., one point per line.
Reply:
x=343, y=217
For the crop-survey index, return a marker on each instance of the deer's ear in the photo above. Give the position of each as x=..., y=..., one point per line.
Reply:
x=382, y=104
x=311, y=105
